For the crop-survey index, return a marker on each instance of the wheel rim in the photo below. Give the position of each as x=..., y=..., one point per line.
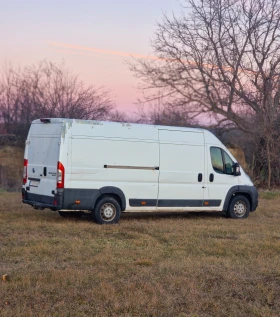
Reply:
x=240, y=208
x=108, y=212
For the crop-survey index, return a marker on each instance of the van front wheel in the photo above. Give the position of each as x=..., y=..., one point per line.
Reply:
x=107, y=211
x=239, y=208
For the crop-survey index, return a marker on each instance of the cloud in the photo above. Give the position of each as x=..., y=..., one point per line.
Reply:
x=65, y=51
x=76, y=49
x=83, y=50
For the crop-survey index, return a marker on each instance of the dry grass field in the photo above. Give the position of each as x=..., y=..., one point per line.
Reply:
x=190, y=264
x=11, y=165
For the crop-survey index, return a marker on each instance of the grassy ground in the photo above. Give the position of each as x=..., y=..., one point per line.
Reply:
x=11, y=167
x=191, y=264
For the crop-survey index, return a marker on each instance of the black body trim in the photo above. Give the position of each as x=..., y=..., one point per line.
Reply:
x=87, y=198
x=72, y=198
x=180, y=203
x=142, y=202
x=49, y=200
x=212, y=203
x=174, y=203
x=39, y=201
x=239, y=190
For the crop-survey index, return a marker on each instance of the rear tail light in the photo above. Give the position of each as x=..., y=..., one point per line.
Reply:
x=24, y=175
x=60, y=175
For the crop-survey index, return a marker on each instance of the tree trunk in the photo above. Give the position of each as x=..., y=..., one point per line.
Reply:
x=268, y=164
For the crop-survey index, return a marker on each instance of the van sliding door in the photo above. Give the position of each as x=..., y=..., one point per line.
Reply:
x=182, y=170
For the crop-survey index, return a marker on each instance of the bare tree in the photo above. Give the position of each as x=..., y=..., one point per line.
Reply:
x=47, y=90
x=164, y=114
x=122, y=116
x=222, y=58
x=118, y=116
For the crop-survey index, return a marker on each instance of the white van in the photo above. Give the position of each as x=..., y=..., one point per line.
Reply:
x=105, y=168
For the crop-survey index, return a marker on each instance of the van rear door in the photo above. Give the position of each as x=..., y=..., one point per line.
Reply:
x=43, y=155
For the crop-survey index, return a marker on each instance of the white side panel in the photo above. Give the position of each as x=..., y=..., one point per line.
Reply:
x=210, y=138
x=124, y=131
x=181, y=137
x=90, y=155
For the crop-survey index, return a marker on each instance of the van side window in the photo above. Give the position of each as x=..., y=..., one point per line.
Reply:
x=217, y=159
x=228, y=164
x=221, y=161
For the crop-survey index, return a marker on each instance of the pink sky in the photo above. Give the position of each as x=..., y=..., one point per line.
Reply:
x=106, y=68
x=94, y=39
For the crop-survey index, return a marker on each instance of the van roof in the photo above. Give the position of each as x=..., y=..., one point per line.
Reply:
x=96, y=122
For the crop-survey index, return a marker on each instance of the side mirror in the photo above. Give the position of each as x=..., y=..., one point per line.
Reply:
x=236, y=169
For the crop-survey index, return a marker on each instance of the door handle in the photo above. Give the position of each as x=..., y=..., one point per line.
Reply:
x=199, y=178
x=45, y=171
x=211, y=177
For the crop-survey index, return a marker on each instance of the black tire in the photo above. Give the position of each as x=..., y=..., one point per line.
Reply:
x=106, y=211
x=239, y=208
x=70, y=214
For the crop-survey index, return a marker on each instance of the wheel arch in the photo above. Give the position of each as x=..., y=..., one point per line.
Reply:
x=115, y=192
x=238, y=190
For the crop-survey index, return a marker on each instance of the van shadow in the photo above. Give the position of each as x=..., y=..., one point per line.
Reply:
x=175, y=215
x=53, y=216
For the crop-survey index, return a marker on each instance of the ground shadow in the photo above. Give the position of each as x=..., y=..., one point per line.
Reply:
x=53, y=215
x=170, y=214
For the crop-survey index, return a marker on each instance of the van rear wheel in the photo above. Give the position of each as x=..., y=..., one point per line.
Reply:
x=239, y=208
x=107, y=211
